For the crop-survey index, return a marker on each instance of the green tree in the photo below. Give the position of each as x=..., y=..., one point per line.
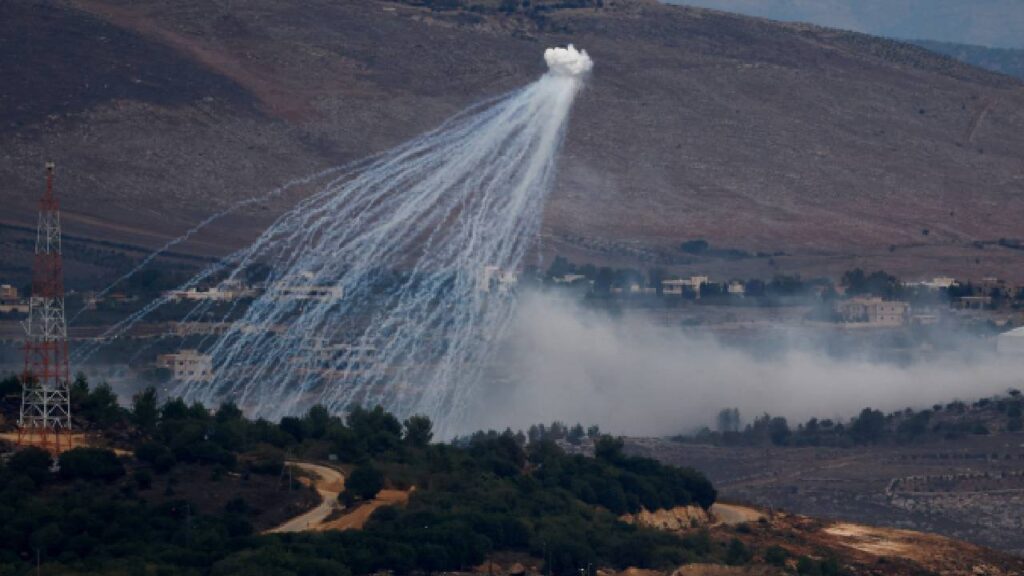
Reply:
x=316, y=421
x=294, y=426
x=418, y=431
x=145, y=411
x=101, y=407
x=778, y=431
x=869, y=426
x=365, y=482
x=32, y=462
x=228, y=412
x=609, y=448
x=90, y=464
x=776, y=555
x=10, y=386
x=737, y=553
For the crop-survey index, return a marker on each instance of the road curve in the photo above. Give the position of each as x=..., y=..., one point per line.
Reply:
x=328, y=482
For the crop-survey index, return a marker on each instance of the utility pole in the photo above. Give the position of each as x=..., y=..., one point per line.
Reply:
x=45, y=393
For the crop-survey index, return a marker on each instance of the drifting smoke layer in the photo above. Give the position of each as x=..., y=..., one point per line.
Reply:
x=632, y=377
x=372, y=283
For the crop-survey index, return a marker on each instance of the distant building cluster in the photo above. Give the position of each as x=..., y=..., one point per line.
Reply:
x=679, y=287
x=226, y=291
x=494, y=280
x=337, y=359
x=10, y=303
x=187, y=365
x=306, y=287
x=874, y=311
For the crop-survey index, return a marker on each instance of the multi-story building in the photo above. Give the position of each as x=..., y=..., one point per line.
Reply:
x=305, y=288
x=188, y=365
x=495, y=280
x=873, y=311
x=678, y=287
x=224, y=292
x=9, y=301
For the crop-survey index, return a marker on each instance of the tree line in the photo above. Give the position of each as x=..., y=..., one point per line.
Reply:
x=491, y=492
x=949, y=421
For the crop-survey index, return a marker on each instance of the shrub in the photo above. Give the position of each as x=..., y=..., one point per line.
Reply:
x=143, y=479
x=157, y=455
x=737, y=553
x=807, y=567
x=776, y=555
x=90, y=464
x=266, y=460
x=698, y=246
x=32, y=462
x=365, y=482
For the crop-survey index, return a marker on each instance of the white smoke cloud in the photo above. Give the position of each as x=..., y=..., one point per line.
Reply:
x=633, y=377
x=568, y=61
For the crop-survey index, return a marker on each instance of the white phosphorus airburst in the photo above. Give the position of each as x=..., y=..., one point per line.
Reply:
x=404, y=237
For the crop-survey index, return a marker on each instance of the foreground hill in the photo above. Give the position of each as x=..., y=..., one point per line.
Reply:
x=189, y=490
x=835, y=148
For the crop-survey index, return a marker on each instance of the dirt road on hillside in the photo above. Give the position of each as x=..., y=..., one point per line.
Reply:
x=328, y=482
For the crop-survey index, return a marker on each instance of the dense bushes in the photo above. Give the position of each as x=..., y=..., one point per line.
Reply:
x=870, y=426
x=489, y=492
x=364, y=482
x=622, y=484
x=90, y=464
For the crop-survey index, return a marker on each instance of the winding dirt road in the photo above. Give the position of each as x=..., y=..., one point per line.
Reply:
x=328, y=482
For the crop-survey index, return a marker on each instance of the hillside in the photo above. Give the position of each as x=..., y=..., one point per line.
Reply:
x=179, y=489
x=1003, y=60
x=838, y=149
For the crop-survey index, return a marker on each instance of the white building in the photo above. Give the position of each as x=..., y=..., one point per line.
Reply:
x=337, y=360
x=1011, y=342
x=224, y=292
x=188, y=365
x=569, y=279
x=304, y=288
x=935, y=284
x=9, y=301
x=678, y=287
x=632, y=288
x=495, y=280
x=873, y=311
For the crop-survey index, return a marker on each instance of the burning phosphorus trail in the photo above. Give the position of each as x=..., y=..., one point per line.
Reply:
x=380, y=290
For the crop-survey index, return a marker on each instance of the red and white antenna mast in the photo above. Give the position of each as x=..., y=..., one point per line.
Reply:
x=45, y=397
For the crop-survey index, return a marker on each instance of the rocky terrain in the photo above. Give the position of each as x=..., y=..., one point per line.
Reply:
x=833, y=149
x=969, y=489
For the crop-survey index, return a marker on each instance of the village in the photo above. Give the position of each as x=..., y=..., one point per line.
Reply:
x=859, y=307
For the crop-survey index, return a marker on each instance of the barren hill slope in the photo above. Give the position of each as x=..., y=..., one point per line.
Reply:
x=835, y=148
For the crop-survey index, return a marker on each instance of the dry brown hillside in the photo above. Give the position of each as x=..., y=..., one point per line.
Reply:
x=835, y=148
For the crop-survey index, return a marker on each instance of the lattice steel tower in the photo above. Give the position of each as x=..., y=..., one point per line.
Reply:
x=45, y=397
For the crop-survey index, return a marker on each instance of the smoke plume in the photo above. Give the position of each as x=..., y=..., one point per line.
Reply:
x=636, y=378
